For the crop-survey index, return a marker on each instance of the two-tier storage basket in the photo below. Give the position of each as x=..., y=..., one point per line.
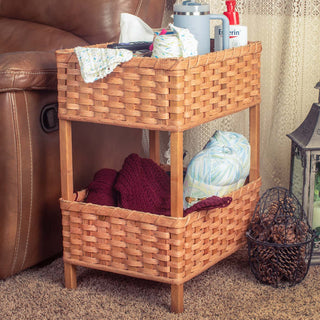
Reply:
x=160, y=95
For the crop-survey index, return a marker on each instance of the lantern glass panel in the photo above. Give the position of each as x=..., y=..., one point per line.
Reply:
x=297, y=175
x=316, y=204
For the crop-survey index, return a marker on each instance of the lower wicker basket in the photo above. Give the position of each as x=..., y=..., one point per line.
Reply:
x=160, y=248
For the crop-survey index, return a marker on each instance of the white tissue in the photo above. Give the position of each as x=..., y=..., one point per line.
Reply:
x=132, y=28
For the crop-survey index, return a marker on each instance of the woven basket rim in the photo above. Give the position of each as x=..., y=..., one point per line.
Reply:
x=148, y=217
x=175, y=63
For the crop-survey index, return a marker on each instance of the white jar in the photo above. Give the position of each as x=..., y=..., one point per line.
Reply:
x=237, y=37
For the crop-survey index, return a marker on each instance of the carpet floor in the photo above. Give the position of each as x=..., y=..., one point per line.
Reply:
x=227, y=290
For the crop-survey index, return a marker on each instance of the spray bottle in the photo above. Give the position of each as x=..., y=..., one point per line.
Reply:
x=238, y=34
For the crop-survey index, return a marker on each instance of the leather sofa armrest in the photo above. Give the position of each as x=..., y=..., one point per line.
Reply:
x=31, y=70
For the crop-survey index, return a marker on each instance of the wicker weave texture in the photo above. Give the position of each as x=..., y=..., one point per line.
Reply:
x=162, y=94
x=149, y=246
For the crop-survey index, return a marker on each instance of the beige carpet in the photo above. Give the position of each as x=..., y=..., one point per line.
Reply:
x=227, y=290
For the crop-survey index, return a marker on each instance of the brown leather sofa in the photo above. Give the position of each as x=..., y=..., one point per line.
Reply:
x=30, y=32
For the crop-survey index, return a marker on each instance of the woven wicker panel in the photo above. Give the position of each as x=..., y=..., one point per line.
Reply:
x=163, y=94
x=154, y=247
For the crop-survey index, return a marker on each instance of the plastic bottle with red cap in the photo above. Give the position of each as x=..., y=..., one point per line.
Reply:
x=238, y=34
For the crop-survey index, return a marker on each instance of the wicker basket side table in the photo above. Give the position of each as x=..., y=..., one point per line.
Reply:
x=160, y=95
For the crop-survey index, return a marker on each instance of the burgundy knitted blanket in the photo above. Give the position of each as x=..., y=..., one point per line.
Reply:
x=141, y=185
x=100, y=190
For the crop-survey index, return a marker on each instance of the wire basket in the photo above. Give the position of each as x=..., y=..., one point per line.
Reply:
x=280, y=239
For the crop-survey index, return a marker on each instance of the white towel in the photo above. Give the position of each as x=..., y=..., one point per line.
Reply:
x=220, y=168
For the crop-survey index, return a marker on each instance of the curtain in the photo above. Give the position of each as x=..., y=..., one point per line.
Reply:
x=290, y=68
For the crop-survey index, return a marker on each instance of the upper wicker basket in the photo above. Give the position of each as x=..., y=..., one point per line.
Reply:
x=162, y=94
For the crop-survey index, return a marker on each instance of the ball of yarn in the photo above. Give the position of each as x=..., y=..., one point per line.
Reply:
x=181, y=43
x=166, y=46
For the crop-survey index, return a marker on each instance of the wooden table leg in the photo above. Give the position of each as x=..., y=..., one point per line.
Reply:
x=66, y=169
x=254, y=118
x=154, y=145
x=70, y=276
x=176, y=148
x=176, y=141
x=177, y=298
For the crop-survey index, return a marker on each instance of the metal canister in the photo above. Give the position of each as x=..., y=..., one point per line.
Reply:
x=196, y=17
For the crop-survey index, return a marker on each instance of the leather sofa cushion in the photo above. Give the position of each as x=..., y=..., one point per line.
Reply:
x=34, y=36
x=33, y=70
x=97, y=23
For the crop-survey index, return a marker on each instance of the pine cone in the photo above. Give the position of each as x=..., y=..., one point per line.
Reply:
x=267, y=274
x=287, y=261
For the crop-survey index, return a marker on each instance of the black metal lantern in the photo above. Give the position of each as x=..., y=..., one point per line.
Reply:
x=305, y=170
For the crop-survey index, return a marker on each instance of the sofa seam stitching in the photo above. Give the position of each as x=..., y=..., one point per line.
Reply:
x=18, y=148
x=31, y=183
